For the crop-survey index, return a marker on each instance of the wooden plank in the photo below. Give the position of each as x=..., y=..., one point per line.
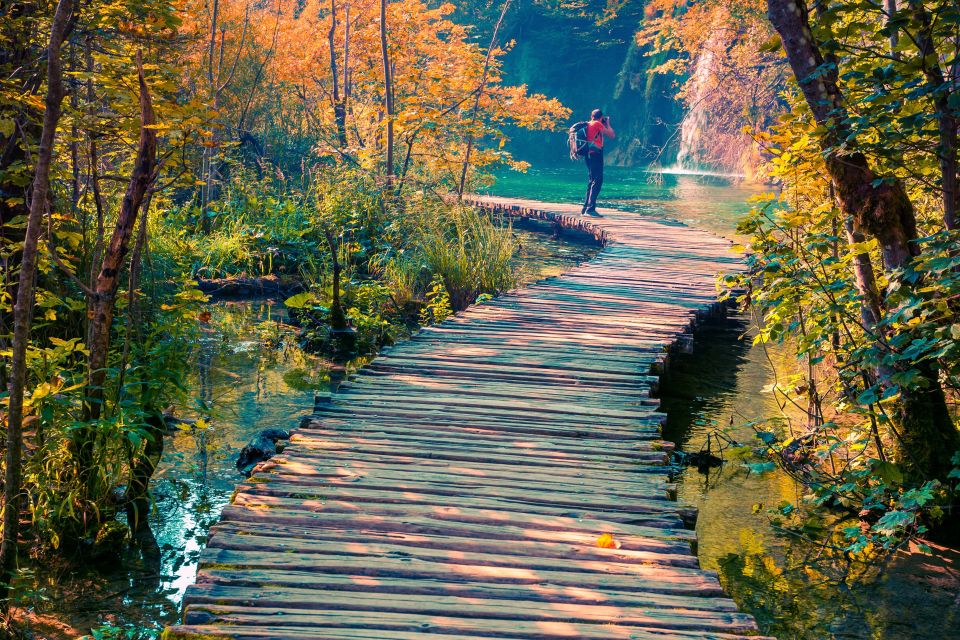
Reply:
x=389, y=588
x=276, y=632
x=584, y=518
x=236, y=536
x=444, y=619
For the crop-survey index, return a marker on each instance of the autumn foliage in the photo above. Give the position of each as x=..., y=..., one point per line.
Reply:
x=283, y=84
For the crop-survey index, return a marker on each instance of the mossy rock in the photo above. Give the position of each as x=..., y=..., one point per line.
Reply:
x=110, y=539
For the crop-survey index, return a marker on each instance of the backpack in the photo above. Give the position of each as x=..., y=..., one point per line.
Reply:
x=577, y=140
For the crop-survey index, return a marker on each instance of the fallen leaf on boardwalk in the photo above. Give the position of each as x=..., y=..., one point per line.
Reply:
x=606, y=541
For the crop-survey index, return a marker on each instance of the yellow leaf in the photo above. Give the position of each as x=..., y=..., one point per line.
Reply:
x=606, y=541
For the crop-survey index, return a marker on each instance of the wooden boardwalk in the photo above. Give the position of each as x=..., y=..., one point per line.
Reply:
x=457, y=487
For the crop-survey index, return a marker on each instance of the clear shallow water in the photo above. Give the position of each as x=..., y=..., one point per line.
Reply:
x=248, y=374
x=708, y=202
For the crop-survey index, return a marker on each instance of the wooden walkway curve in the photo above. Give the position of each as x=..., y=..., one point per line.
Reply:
x=456, y=488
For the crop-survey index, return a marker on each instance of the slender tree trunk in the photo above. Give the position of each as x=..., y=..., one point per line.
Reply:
x=22, y=312
x=143, y=461
x=894, y=33
x=871, y=305
x=476, y=103
x=20, y=64
x=207, y=163
x=339, y=105
x=387, y=94
x=346, y=55
x=338, y=320
x=947, y=122
x=927, y=437
x=103, y=298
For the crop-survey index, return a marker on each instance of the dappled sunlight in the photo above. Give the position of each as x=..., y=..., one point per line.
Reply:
x=472, y=351
x=469, y=471
x=504, y=573
x=562, y=629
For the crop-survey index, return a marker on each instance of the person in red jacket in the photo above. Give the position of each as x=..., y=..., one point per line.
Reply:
x=598, y=129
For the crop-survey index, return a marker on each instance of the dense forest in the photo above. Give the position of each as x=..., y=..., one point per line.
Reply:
x=153, y=152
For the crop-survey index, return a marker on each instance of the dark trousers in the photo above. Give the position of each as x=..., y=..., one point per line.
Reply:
x=595, y=174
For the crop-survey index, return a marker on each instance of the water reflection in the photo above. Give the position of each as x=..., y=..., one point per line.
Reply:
x=708, y=202
x=797, y=590
x=802, y=589
x=250, y=375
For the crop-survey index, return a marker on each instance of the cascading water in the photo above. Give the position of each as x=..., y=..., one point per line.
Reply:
x=695, y=120
x=708, y=146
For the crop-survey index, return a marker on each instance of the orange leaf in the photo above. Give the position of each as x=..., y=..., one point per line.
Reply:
x=606, y=541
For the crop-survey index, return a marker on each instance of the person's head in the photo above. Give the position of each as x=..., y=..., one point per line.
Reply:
x=596, y=115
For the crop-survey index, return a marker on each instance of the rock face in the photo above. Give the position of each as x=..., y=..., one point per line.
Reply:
x=262, y=447
x=588, y=59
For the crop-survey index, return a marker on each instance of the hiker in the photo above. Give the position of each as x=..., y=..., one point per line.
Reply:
x=597, y=129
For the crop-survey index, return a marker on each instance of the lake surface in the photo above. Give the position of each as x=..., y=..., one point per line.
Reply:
x=708, y=202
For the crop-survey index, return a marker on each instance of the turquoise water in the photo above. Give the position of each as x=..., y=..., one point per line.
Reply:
x=708, y=202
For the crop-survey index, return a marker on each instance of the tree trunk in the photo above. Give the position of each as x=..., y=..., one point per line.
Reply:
x=339, y=104
x=22, y=312
x=926, y=436
x=387, y=94
x=103, y=299
x=338, y=320
x=19, y=65
x=476, y=102
x=142, y=466
x=871, y=306
x=947, y=123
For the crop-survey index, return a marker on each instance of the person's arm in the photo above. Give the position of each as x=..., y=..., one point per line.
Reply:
x=607, y=129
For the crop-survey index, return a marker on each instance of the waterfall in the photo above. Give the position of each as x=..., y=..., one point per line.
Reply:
x=694, y=123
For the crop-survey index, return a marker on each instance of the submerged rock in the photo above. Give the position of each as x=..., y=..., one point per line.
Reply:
x=262, y=447
x=703, y=460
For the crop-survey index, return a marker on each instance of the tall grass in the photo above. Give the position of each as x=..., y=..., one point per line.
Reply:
x=472, y=253
x=258, y=227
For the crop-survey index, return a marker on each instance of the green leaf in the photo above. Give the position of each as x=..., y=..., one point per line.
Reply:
x=870, y=396
x=771, y=45
x=888, y=472
x=893, y=521
x=299, y=301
